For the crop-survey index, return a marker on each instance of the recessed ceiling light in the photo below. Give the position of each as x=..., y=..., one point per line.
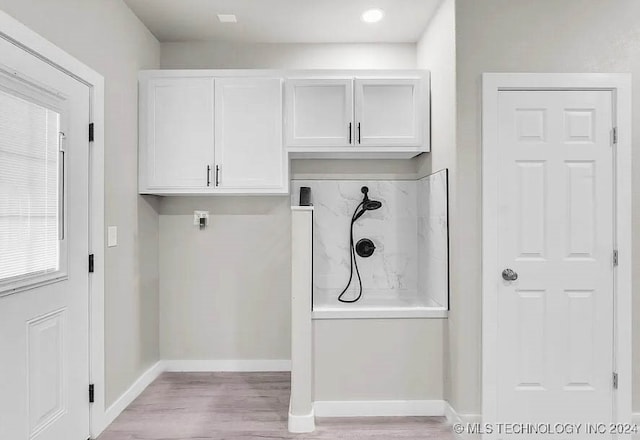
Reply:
x=372, y=15
x=227, y=18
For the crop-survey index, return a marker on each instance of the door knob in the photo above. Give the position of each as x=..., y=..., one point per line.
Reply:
x=509, y=275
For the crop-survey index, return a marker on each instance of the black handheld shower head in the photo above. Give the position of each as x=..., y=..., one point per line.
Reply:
x=365, y=246
x=372, y=205
x=367, y=204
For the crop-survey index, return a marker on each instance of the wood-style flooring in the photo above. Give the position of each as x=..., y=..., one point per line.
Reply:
x=232, y=406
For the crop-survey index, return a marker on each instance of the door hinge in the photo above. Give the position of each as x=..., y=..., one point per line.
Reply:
x=615, y=257
x=91, y=393
x=615, y=381
x=91, y=134
x=614, y=136
x=90, y=263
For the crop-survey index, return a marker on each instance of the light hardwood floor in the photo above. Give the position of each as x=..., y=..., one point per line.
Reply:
x=232, y=406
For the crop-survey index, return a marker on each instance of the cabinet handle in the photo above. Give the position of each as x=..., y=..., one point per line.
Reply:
x=359, y=133
x=208, y=175
x=217, y=175
x=349, y=133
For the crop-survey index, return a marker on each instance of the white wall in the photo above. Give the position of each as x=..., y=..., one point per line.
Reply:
x=526, y=36
x=224, y=291
x=207, y=55
x=109, y=38
x=436, y=51
x=378, y=359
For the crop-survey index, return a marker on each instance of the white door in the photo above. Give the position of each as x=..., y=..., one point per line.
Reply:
x=319, y=112
x=249, y=150
x=177, y=132
x=555, y=227
x=44, y=281
x=389, y=112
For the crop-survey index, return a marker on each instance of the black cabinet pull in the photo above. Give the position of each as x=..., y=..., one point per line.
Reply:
x=208, y=175
x=217, y=175
x=349, y=133
x=359, y=133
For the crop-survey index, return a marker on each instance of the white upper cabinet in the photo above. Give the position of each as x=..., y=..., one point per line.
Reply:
x=249, y=149
x=389, y=112
x=373, y=114
x=234, y=131
x=320, y=112
x=177, y=133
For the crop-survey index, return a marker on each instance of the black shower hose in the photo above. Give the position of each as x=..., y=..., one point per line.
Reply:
x=353, y=261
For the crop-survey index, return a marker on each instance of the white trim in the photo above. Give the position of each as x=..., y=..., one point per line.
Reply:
x=379, y=408
x=349, y=153
x=301, y=424
x=419, y=312
x=33, y=43
x=453, y=418
x=286, y=73
x=132, y=393
x=635, y=418
x=237, y=365
x=620, y=84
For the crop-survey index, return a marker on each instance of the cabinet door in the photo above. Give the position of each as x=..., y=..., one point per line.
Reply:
x=177, y=137
x=319, y=112
x=249, y=150
x=389, y=112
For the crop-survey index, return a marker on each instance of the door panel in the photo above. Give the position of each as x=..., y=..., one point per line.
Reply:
x=45, y=365
x=555, y=322
x=388, y=112
x=319, y=112
x=44, y=328
x=249, y=151
x=180, y=127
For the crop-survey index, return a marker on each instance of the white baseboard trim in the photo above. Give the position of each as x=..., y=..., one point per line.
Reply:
x=635, y=418
x=453, y=418
x=132, y=393
x=240, y=365
x=301, y=424
x=379, y=408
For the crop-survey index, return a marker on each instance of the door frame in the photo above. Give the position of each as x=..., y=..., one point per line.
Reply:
x=28, y=40
x=620, y=86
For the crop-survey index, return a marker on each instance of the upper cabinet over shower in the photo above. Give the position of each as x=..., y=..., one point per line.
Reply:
x=376, y=115
x=233, y=131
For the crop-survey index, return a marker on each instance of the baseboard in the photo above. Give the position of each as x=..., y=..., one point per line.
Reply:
x=241, y=365
x=379, y=408
x=453, y=418
x=132, y=393
x=302, y=424
x=635, y=418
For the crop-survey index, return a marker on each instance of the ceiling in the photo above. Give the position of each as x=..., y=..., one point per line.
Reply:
x=285, y=21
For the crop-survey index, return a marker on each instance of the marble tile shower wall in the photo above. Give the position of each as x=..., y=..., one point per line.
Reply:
x=433, y=246
x=392, y=271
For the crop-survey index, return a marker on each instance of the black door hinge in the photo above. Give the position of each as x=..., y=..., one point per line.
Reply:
x=91, y=393
x=90, y=263
x=91, y=132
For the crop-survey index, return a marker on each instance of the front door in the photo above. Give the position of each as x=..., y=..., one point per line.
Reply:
x=44, y=199
x=555, y=245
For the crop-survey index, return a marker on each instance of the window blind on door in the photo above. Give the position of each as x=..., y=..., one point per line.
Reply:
x=29, y=185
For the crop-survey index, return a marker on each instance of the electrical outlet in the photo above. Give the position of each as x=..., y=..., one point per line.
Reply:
x=197, y=215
